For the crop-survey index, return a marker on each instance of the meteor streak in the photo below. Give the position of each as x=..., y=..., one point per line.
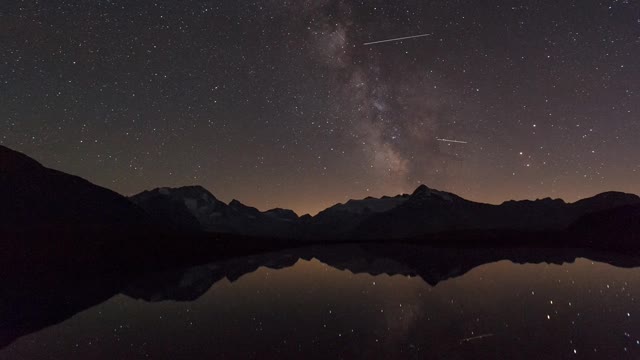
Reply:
x=452, y=141
x=475, y=338
x=396, y=39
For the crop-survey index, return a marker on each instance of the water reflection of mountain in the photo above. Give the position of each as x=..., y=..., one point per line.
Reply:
x=431, y=264
x=39, y=300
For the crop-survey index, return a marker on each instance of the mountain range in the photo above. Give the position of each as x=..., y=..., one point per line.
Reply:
x=194, y=207
x=425, y=211
x=43, y=198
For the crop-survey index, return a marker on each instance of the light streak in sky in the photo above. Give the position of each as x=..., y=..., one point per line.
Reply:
x=475, y=338
x=395, y=39
x=452, y=141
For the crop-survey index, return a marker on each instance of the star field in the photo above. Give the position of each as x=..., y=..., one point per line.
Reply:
x=279, y=103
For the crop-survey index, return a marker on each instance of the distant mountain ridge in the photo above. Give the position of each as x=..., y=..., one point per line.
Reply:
x=425, y=211
x=430, y=211
x=341, y=220
x=195, y=207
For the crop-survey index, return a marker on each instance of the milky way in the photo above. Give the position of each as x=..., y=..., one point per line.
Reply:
x=281, y=103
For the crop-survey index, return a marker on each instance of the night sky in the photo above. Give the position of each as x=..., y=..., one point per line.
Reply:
x=279, y=103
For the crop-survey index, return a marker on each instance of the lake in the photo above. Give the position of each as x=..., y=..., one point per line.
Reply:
x=350, y=301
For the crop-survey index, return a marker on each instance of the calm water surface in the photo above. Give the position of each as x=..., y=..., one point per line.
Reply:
x=307, y=308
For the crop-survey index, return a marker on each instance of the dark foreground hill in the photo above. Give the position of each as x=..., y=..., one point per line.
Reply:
x=37, y=196
x=49, y=219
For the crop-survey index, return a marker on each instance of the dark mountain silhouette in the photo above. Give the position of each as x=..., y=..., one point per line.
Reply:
x=168, y=210
x=49, y=218
x=35, y=195
x=188, y=206
x=195, y=207
x=282, y=214
x=341, y=220
x=617, y=228
x=431, y=211
x=426, y=211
